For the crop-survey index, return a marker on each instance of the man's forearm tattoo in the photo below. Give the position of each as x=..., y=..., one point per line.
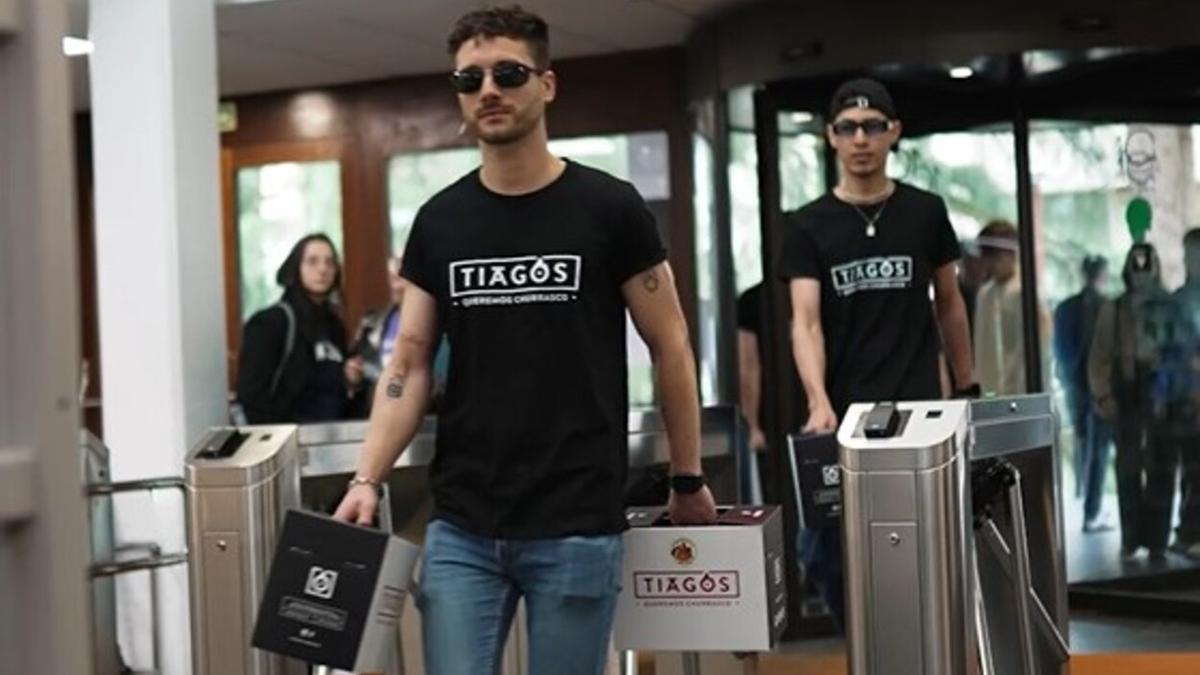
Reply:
x=650, y=281
x=395, y=387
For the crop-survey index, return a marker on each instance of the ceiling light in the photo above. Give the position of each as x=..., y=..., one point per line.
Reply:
x=962, y=72
x=73, y=46
x=802, y=117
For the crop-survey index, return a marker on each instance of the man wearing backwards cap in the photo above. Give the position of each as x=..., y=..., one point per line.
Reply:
x=859, y=262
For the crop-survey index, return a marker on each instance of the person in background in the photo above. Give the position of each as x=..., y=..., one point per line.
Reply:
x=749, y=320
x=972, y=275
x=1182, y=429
x=376, y=340
x=1125, y=357
x=292, y=365
x=1074, y=329
x=999, y=340
x=378, y=330
x=752, y=390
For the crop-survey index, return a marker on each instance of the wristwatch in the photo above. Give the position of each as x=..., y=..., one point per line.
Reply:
x=686, y=484
x=364, y=480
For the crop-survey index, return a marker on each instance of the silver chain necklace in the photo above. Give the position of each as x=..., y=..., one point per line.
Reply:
x=871, y=220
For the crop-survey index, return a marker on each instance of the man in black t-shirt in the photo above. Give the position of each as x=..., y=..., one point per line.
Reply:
x=528, y=265
x=860, y=262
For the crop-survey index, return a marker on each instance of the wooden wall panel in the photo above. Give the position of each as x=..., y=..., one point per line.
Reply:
x=365, y=124
x=636, y=91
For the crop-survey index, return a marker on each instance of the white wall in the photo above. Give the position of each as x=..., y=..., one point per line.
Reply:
x=159, y=276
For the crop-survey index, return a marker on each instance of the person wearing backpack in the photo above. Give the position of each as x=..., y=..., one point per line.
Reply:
x=292, y=365
x=375, y=341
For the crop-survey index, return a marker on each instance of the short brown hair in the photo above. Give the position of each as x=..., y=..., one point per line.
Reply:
x=510, y=21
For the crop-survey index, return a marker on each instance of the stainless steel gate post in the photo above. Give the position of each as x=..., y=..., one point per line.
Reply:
x=925, y=593
x=240, y=482
x=907, y=546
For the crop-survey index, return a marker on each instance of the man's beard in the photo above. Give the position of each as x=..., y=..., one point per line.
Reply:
x=522, y=125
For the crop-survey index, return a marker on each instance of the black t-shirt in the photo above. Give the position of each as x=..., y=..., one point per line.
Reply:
x=533, y=432
x=324, y=397
x=750, y=318
x=881, y=341
x=749, y=310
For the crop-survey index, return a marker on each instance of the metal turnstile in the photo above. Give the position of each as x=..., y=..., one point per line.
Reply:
x=906, y=540
x=1020, y=549
x=329, y=454
x=110, y=558
x=240, y=483
x=952, y=532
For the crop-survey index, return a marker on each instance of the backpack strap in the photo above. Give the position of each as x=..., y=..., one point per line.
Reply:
x=288, y=344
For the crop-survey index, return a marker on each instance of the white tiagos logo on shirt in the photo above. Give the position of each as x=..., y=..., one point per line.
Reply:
x=872, y=274
x=520, y=280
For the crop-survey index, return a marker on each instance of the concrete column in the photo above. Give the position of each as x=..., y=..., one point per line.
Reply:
x=159, y=278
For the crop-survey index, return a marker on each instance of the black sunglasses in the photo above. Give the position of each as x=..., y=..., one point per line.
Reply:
x=871, y=127
x=506, y=75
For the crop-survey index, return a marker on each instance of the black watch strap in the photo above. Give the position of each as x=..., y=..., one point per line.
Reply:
x=972, y=390
x=685, y=484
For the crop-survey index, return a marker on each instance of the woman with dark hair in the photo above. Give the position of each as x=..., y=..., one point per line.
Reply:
x=292, y=367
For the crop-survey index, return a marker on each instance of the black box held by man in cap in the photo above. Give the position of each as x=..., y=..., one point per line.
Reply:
x=818, y=479
x=335, y=593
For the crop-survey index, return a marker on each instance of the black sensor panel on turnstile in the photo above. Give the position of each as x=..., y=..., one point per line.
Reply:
x=221, y=444
x=883, y=421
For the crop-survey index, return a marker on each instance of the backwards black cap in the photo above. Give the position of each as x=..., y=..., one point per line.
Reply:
x=862, y=93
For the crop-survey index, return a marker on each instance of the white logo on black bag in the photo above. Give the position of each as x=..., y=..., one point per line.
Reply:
x=831, y=475
x=872, y=274
x=321, y=583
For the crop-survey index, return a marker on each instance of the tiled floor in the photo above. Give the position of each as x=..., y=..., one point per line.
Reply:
x=1090, y=633
x=827, y=659
x=1096, y=556
x=1093, y=633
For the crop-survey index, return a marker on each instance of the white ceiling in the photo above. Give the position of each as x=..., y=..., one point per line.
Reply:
x=267, y=45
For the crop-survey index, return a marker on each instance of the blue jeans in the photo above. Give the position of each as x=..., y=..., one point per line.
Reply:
x=1093, y=439
x=1096, y=446
x=821, y=553
x=469, y=590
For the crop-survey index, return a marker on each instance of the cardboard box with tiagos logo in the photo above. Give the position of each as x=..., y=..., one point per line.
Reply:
x=710, y=588
x=335, y=593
